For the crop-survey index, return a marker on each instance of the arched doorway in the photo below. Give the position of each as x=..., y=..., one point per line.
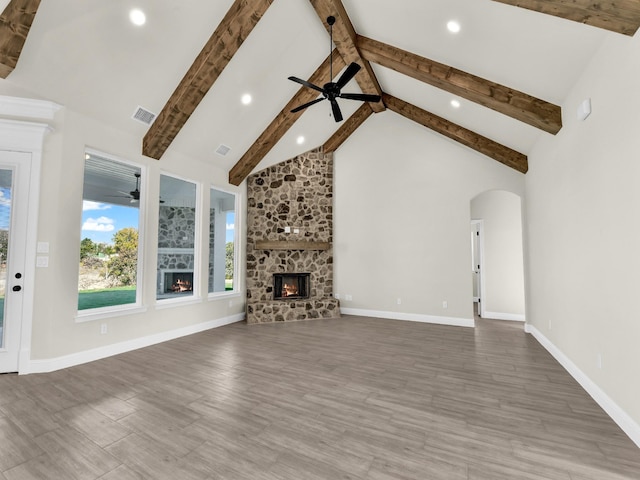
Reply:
x=498, y=260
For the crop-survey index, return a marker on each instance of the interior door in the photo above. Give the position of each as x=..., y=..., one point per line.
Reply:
x=14, y=186
x=476, y=263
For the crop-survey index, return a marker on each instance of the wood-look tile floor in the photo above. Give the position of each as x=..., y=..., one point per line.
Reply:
x=351, y=398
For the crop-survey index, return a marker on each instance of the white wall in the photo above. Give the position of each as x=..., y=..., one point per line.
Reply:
x=583, y=205
x=58, y=339
x=503, y=266
x=402, y=213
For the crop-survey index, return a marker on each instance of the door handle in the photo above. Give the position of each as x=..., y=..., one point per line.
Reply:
x=17, y=288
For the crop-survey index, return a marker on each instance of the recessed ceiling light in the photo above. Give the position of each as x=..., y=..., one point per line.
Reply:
x=455, y=103
x=137, y=17
x=246, y=99
x=453, y=26
x=300, y=140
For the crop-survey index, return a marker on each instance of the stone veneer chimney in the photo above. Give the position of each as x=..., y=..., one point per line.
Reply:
x=297, y=194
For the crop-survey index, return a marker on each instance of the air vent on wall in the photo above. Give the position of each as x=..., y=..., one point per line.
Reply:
x=223, y=150
x=143, y=115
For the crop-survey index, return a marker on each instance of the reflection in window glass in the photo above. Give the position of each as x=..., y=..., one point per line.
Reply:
x=108, y=272
x=222, y=241
x=177, y=272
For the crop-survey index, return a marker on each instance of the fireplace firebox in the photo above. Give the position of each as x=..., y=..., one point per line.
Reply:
x=178, y=282
x=291, y=286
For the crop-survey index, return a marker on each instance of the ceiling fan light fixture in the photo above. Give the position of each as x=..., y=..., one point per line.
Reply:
x=333, y=90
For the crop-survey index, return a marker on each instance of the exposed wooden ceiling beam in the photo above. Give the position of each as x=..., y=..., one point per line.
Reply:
x=621, y=16
x=347, y=128
x=344, y=38
x=15, y=23
x=505, y=100
x=232, y=31
x=283, y=122
x=486, y=146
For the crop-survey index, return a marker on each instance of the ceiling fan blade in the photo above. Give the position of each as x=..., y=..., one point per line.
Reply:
x=337, y=114
x=348, y=74
x=365, y=97
x=305, y=83
x=302, y=107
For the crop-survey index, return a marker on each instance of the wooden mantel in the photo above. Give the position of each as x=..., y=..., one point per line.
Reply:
x=287, y=245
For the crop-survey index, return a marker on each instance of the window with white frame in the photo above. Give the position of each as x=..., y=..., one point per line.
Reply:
x=109, y=273
x=222, y=241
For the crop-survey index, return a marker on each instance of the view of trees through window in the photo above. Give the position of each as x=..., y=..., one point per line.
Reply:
x=222, y=240
x=109, y=246
x=6, y=188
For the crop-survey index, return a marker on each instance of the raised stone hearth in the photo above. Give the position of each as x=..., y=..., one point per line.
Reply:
x=296, y=195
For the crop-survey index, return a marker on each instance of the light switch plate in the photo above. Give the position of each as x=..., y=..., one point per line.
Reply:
x=42, y=261
x=43, y=247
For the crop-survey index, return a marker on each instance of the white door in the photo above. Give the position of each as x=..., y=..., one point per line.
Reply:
x=476, y=264
x=14, y=190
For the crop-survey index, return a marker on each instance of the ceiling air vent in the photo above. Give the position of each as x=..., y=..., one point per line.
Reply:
x=143, y=115
x=223, y=150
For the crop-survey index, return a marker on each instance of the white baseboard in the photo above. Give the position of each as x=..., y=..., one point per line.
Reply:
x=411, y=317
x=618, y=415
x=53, y=364
x=512, y=317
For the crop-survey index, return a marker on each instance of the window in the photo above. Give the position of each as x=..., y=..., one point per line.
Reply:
x=109, y=247
x=177, y=246
x=222, y=241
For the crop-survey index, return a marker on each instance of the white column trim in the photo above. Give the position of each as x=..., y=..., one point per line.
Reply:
x=25, y=136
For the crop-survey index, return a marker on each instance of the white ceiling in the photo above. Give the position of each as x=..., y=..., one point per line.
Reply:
x=88, y=56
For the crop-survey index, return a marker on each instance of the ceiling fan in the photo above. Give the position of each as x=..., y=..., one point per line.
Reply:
x=332, y=90
x=133, y=195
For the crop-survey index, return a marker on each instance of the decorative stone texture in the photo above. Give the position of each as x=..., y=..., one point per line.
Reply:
x=176, y=227
x=297, y=193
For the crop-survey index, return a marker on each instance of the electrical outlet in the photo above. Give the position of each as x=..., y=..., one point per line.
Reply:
x=348, y=297
x=103, y=328
x=399, y=301
x=549, y=324
x=599, y=361
x=336, y=296
x=445, y=304
x=231, y=303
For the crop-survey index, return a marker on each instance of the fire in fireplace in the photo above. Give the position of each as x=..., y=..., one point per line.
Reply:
x=291, y=286
x=178, y=282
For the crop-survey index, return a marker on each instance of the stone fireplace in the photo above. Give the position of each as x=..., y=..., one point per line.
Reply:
x=176, y=234
x=289, y=241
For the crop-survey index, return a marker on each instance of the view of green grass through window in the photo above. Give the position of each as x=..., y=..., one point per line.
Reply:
x=222, y=237
x=109, y=245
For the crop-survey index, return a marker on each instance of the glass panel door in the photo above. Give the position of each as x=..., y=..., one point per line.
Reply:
x=6, y=187
x=14, y=189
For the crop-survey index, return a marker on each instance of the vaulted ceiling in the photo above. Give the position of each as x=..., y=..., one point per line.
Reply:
x=510, y=67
